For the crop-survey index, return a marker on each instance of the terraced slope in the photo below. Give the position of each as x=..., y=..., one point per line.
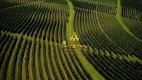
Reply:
x=9, y=3
x=36, y=52
x=34, y=19
x=114, y=67
x=102, y=31
x=108, y=2
x=132, y=16
x=31, y=34
x=64, y=2
x=92, y=5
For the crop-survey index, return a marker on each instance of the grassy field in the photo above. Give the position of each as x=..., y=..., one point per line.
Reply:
x=70, y=24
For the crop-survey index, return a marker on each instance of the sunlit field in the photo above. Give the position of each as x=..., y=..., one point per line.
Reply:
x=70, y=39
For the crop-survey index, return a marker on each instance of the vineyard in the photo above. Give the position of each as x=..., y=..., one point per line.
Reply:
x=32, y=31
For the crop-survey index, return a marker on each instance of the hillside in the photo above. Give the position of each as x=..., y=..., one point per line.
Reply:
x=32, y=34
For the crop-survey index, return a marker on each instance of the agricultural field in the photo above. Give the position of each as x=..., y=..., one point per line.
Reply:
x=109, y=45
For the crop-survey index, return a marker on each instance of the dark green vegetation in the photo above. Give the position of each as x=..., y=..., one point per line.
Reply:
x=31, y=33
x=132, y=16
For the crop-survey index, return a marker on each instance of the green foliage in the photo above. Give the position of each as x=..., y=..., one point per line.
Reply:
x=92, y=71
x=108, y=2
x=120, y=20
x=31, y=41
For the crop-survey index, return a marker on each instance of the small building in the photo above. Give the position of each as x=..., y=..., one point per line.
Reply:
x=74, y=40
x=64, y=43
